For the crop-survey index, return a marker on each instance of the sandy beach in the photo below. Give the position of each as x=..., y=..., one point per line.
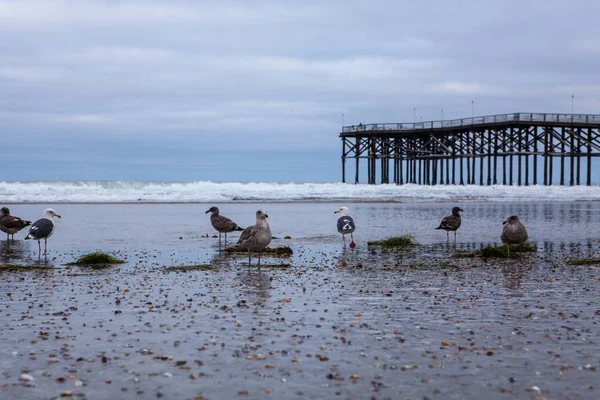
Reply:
x=336, y=323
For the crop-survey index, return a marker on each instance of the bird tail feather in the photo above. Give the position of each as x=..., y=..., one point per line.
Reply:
x=239, y=229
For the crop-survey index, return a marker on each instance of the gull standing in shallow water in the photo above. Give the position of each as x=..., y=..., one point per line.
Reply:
x=43, y=228
x=256, y=237
x=222, y=224
x=10, y=224
x=345, y=225
x=514, y=232
x=451, y=223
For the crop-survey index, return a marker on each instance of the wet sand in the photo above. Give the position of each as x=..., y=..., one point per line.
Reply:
x=336, y=324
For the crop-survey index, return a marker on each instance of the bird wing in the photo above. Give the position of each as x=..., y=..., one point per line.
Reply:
x=223, y=224
x=450, y=222
x=346, y=224
x=42, y=228
x=248, y=233
x=514, y=234
x=9, y=222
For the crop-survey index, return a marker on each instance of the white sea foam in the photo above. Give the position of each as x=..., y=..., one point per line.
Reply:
x=205, y=192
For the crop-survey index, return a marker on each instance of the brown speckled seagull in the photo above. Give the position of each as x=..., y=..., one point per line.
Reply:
x=10, y=224
x=451, y=223
x=514, y=232
x=222, y=224
x=256, y=237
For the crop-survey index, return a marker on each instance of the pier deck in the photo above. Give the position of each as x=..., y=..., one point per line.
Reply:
x=517, y=148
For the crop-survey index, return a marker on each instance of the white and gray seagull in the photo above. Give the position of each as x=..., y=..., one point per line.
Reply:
x=345, y=225
x=43, y=228
x=10, y=224
x=222, y=224
x=256, y=237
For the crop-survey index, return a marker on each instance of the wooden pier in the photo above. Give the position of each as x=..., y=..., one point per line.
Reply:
x=508, y=149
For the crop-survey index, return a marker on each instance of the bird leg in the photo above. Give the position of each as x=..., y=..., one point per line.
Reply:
x=454, y=238
x=39, y=249
x=45, y=246
x=225, y=237
x=344, y=239
x=249, y=263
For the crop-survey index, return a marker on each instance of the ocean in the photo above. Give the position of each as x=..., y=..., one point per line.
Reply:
x=207, y=192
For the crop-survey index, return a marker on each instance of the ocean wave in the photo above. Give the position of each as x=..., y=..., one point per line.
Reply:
x=215, y=192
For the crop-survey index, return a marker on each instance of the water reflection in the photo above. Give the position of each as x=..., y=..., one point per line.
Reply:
x=255, y=284
x=12, y=252
x=513, y=278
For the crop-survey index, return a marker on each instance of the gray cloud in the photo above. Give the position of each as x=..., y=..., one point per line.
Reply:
x=260, y=75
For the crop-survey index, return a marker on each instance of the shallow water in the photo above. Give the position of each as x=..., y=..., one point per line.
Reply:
x=179, y=227
x=337, y=323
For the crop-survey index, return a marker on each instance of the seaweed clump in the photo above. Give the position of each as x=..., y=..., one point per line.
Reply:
x=97, y=259
x=17, y=267
x=187, y=268
x=398, y=242
x=502, y=251
x=584, y=261
x=282, y=251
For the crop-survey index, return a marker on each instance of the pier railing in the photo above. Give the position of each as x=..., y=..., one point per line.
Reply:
x=592, y=119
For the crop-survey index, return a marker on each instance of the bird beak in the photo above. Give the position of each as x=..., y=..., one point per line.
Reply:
x=58, y=215
x=462, y=209
x=336, y=212
x=504, y=222
x=266, y=215
x=207, y=212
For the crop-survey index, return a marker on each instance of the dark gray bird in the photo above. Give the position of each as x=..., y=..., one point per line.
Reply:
x=345, y=225
x=10, y=224
x=256, y=237
x=43, y=228
x=451, y=223
x=514, y=232
x=222, y=224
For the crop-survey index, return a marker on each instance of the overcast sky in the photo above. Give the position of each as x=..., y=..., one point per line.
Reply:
x=255, y=90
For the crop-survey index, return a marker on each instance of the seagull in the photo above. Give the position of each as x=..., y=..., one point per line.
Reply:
x=345, y=225
x=222, y=224
x=256, y=237
x=514, y=232
x=43, y=228
x=451, y=223
x=10, y=224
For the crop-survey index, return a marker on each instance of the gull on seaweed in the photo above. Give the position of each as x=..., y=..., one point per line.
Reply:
x=221, y=223
x=10, y=224
x=345, y=225
x=256, y=237
x=451, y=223
x=43, y=228
x=514, y=232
